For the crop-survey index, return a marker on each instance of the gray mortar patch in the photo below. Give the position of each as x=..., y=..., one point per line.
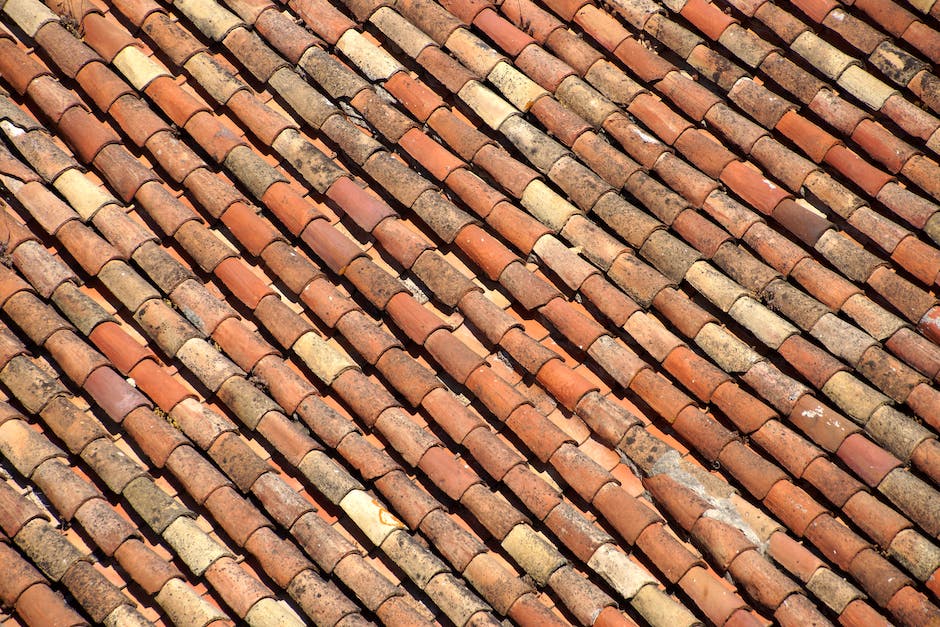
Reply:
x=722, y=508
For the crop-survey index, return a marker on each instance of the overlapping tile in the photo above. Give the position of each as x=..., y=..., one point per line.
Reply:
x=347, y=226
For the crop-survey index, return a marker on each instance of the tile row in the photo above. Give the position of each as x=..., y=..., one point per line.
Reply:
x=36, y=458
x=245, y=469
x=539, y=221
x=774, y=112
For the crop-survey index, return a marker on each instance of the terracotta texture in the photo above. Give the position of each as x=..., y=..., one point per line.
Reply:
x=342, y=312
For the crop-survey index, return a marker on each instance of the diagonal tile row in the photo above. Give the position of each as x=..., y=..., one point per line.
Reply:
x=831, y=336
x=774, y=112
x=452, y=226
x=647, y=595
x=33, y=455
x=244, y=468
x=476, y=438
x=210, y=488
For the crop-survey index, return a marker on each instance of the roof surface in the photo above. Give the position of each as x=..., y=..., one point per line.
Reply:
x=409, y=312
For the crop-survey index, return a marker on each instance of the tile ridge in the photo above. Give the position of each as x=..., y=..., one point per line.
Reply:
x=29, y=593
x=899, y=22
x=157, y=508
x=164, y=446
x=590, y=23
x=516, y=241
x=57, y=556
x=217, y=382
x=77, y=500
x=211, y=386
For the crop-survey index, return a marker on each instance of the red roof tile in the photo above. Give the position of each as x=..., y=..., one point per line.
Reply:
x=814, y=196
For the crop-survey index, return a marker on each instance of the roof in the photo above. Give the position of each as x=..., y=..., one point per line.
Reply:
x=469, y=312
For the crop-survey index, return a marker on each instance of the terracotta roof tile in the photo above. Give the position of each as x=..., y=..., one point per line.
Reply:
x=40, y=603
x=826, y=271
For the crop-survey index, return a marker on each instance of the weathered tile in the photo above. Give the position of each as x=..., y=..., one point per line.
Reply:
x=588, y=258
